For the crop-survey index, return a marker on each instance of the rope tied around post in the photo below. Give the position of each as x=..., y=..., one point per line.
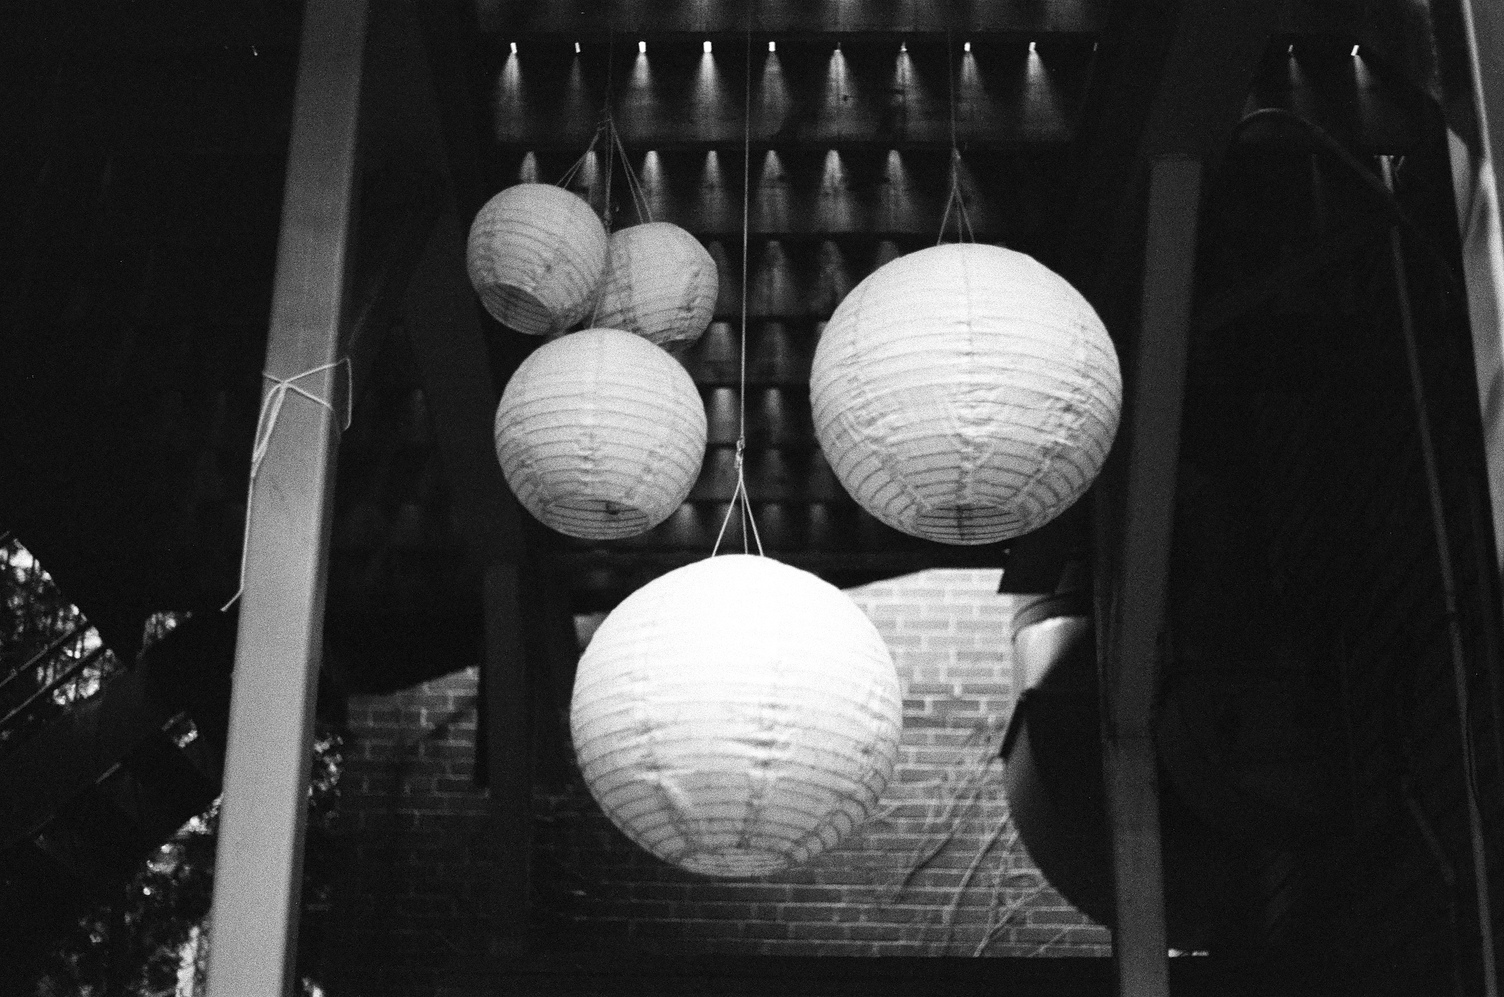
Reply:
x=266, y=426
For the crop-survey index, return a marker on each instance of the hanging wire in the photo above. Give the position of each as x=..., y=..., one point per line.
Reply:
x=954, y=197
x=740, y=494
x=607, y=125
x=634, y=185
x=610, y=170
x=569, y=174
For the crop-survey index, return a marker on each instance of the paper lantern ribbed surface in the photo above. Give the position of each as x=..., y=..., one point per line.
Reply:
x=660, y=283
x=600, y=434
x=535, y=256
x=965, y=394
x=736, y=716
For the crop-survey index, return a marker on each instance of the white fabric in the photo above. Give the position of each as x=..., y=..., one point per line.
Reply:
x=600, y=434
x=965, y=394
x=736, y=716
x=536, y=255
x=660, y=283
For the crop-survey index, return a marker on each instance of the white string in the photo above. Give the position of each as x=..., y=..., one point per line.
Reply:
x=954, y=196
x=740, y=495
x=634, y=185
x=569, y=173
x=266, y=425
x=964, y=231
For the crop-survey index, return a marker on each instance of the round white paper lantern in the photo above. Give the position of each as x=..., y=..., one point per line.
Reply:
x=536, y=255
x=965, y=394
x=736, y=716
x=600, y=434
x=660, y=283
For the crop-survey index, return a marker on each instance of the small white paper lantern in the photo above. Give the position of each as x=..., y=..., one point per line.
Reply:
x=660, y=283
x=535, y=256
x=736, y=716
x=965, y=394
x=600, y=434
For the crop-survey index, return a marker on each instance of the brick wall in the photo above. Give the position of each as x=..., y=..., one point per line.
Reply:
x=938, y=871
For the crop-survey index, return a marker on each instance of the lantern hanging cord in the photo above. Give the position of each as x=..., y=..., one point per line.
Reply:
x=964, y=231
x=634, y=185
x=607, y=125
x=266, y=425
x=569, y=174
x=740, y=494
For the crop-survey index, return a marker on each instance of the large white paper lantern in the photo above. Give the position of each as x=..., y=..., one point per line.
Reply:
x=600, y=434
x=660, y=283
x=535, y=256
x=965, y=394
x=736, y=716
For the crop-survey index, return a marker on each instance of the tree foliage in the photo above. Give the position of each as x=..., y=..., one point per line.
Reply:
x=145, y=936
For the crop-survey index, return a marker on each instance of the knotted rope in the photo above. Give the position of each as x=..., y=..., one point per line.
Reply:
x=266, y=426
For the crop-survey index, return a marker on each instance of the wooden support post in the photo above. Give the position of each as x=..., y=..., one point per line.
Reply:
x=1131, y=645
x=509, y=758
x=258, y=868
x=449, y=345
x=1476, y=183
x=454, y=365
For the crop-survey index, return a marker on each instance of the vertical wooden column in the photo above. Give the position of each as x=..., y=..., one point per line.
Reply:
x=1132, y=642
x=258, y=868
x=449, y=346
x=509, y=757
x=1475, y=180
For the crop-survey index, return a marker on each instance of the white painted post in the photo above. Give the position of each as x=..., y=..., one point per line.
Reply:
x=258, y=869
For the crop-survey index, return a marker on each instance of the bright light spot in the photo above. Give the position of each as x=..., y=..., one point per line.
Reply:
x=576, y=48
x=772, y=46
x=1033, y=48
x=1355, y=51
x=642, y=48
x=514, y=48
x=966, y=46
x=707, y=46
x=1290, y=50
x=903, y=46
